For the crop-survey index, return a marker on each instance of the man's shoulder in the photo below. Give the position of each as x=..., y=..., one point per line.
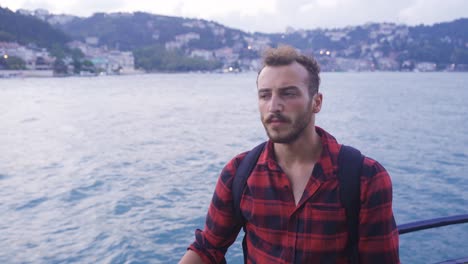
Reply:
x=372, y=168
x=258, y=149
x=231, y=168
x=235, y=161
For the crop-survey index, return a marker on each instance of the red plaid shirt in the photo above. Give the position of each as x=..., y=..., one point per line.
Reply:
x=315, y=230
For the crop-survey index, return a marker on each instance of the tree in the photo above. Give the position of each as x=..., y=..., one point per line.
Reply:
x=88, y=66
x=12, y=63
x=60, y=68
x=459, y=56
x=57, y=51
x=157, y=58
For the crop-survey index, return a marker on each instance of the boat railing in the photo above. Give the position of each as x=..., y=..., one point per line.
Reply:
x=432, y=223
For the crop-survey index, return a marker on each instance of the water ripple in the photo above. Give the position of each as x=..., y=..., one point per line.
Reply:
x=33, y=203
x=79, y=193
x=125, y=205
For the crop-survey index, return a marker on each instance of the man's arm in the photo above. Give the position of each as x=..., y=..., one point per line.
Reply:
x=191, y=257
x=378, y=233
x=221, y=226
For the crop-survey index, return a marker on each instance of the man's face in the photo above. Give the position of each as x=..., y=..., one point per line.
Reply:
x=286, y=109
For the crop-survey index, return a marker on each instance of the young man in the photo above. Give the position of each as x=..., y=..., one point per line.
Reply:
x=291, y=202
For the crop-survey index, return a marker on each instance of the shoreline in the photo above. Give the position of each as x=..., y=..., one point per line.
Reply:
x=15, y=74
x=7, y=74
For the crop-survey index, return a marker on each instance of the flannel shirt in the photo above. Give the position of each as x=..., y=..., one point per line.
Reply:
x=314, y=231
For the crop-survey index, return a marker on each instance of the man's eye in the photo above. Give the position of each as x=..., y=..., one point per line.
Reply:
x=263, y=96
x=289, y=94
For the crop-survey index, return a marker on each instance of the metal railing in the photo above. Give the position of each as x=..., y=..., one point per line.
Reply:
x=432, y=223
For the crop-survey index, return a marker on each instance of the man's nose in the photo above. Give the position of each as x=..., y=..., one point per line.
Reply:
x=276, y=104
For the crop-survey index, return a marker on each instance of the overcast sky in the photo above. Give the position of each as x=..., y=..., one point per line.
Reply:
x=269, y=15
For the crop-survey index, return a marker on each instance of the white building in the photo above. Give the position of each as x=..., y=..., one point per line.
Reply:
x=120, y=61
x=181, y=40
x=226, y=54
x=186, y=38
x=110, y=61
x=336, y=36
x=194, y=24
x=205, y=54
x=92, y=41
x=425, y=66
x=29, y=56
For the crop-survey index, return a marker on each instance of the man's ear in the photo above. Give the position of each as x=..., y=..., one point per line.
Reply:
x=317, y=102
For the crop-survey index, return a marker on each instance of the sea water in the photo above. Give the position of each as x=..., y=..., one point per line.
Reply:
x=121, y=169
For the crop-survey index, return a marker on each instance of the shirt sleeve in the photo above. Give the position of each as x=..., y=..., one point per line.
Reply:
x=221, y=228
x=378, y=233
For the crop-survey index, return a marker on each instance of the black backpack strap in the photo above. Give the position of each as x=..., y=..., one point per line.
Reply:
x=242, y=174
x=350, y=162
x=240, y=181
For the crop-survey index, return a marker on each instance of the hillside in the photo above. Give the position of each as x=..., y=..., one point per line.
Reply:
x=15, y=27
x=442, y=44
x=128, y=31
x=165, y=43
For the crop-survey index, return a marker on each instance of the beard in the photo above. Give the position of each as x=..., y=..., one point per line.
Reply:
x=295, y=126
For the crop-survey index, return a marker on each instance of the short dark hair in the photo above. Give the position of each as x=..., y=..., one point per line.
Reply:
x=285, y=55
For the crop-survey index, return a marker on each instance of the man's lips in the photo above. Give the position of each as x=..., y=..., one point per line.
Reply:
x=277, y=119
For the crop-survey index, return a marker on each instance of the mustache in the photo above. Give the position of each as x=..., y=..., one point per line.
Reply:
x=276, y=117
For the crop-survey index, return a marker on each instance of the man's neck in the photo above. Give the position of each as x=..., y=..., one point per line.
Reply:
x=305, y=150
